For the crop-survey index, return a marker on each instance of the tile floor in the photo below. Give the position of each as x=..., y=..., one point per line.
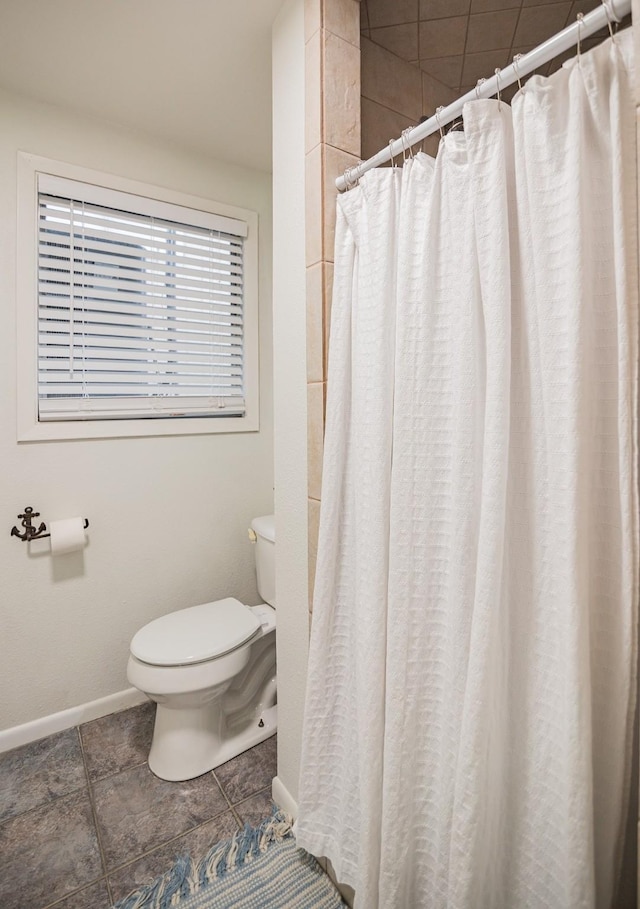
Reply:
x=83, y=821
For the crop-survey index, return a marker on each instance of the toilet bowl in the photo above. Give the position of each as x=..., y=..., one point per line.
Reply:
x=211, y=669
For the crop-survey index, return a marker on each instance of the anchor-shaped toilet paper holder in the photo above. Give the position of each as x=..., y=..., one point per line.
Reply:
x=31, y=532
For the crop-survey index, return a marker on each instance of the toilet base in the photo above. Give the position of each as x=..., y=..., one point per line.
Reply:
x=189, y=742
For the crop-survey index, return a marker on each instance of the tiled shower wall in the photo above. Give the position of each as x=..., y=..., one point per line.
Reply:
x=332, y=143
x=395, y=95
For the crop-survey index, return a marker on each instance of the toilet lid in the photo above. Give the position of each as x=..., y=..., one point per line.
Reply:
x=195, y=634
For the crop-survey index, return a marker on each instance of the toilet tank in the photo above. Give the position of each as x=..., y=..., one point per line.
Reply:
x=264, y=529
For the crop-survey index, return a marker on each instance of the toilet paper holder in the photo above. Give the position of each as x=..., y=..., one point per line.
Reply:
x=30, y=532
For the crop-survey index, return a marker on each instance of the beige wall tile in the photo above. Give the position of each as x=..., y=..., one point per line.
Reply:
x=444, y=9
x=434, y=94
x=577, y=6
x=315, y=323
x=341, y=94
x=401, y=40
x=342, y=18
x=443, y=37
x=313, y=91
x=334, y=164
x=431, y=145
x=312, y=17
x=447, y=70
x=379, y=125
x=538, y=23
x=313, y=205
x=389, y=81
x=315, y=427
x=364, y=16
x=481, y=66
x=326, y=312
x=483, y=6
x=488, y=31
x=313, y=518
x=384, y=12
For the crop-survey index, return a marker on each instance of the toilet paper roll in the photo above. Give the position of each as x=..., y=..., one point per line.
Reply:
x=67, y=535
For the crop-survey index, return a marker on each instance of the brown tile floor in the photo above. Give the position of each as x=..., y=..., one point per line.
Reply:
x=83, y=820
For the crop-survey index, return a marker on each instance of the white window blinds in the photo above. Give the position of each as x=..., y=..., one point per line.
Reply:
x=140, y=307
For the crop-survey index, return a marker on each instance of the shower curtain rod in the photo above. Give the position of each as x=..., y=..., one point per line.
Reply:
x=609, y=11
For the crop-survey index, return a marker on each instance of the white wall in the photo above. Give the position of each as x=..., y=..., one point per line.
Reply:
x=168, y=514
x=290, y=378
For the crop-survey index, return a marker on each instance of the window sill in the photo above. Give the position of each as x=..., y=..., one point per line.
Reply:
x=122, y=429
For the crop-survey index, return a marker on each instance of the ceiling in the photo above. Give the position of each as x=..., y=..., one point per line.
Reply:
x=459, y=41
x=192, y=72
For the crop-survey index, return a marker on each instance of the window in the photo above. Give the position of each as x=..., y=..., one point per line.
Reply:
x=144, y=311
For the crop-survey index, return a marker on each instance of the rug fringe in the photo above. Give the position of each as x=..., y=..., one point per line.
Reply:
x=187, y=876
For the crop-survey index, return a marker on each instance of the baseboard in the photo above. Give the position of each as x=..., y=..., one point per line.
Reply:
x=66, y=719
x=283, y=798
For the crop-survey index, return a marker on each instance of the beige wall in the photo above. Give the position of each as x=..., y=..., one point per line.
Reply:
x=290, y=391
x=316, y=135
x=169, y=514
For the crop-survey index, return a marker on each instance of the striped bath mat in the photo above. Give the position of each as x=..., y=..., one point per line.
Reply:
x=259, y=868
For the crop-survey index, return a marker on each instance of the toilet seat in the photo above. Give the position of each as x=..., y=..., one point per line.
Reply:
x=196, y=634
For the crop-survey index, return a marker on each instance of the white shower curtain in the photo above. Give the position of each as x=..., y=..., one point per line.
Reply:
x=470, y=696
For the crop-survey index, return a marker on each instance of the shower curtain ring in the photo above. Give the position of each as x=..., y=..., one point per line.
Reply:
x=608, y=14
x=351, y=178
x=393, y=163
x=438, y=112
x=579, y=19
x=479, y=85
x=407, y=150
x=496, y=73
x=516, y=60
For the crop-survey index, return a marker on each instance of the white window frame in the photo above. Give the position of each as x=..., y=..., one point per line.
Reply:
x=29, y=428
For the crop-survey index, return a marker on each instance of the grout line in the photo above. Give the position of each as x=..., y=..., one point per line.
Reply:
x=398, y=113
x=415, y=65
x=110, y=775
x=88, y=787
x=569, y=18
x=365, y=7
x=342, y=150
x=162, y=845
x=50, y=801
x=94, y=815
x=221, y=788
x=253, y=795
x=79, y=890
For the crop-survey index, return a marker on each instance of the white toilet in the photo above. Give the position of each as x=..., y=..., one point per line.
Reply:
x=211, y=670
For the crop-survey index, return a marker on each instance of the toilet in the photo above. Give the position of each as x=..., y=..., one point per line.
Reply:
x=211, y=669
